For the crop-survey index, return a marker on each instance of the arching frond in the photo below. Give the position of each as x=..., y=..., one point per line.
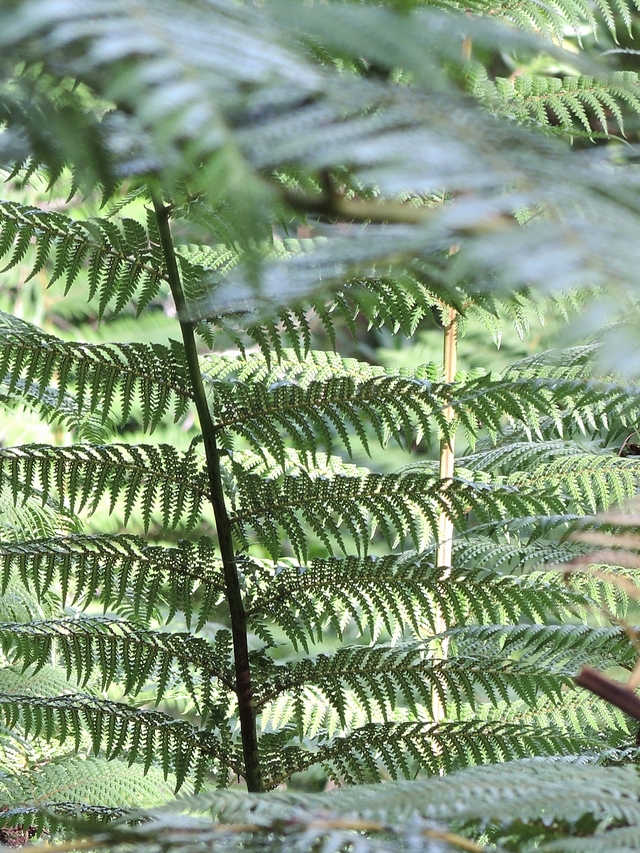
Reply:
x=31, y=518
x=76, y=478
x=561, y=789
x=112, y=569
x=401, y=505
x=397, y=746
x=601, y=802
x=381, y=594
x=580, y=103
x=110, y=649
x=309, y=411
x=580, y=713
x=383, y=678
x=150, y=375
x=592, y=481
x=148, y=736
x=563, y=646
x=121, y=260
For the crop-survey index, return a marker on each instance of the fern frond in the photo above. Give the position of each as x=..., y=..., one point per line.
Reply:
x=54, y=408
x=576, y=362
x=51, y=681
x=31, y=519
x=592, y=481
x=19, y=604
x=573, y=102
x=121, y=260
x=384, y=678
x=111, y=649
x=316, y=366
x=174, y=830
x=321, y=395
x=358, y=683
x=151, y=375
x=559, y=401
x=310, y=401
x=112, y=569
x=564, y=647
x=553, y=18
x=512, y=456
x=77, y=477
x=398, y=747
x=624, y=838
x=585, y=807
x=384, y=593
x=115, y=728
x=489, y=552
x=580, y=714
x=382, y=302
x=401, y=505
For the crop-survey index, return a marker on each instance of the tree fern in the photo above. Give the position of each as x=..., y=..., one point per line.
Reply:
x=274, y=592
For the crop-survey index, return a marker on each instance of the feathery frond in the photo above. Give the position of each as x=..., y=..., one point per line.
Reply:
x=77, y=477
x=151, y=375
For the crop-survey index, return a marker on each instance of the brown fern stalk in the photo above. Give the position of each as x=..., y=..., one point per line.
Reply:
x=447, y=463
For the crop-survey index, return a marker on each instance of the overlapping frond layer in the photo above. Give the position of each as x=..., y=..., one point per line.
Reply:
x=590, y=480
x=30, y=519
x=381, y=130
x=359, y=685
x=77, y=477
x=562, y=401
x=549, y=645
x=42, y=367
x=234, y=111
x=598, y=805
x=568, y=792
x=52, y=681
x=485, y=552
x=115, y=569
x=61, y=411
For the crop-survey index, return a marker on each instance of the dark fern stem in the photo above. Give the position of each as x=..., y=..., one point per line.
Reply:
x=237, y=614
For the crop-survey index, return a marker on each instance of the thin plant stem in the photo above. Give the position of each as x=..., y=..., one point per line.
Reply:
x=447, y=462
x=237, y=614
